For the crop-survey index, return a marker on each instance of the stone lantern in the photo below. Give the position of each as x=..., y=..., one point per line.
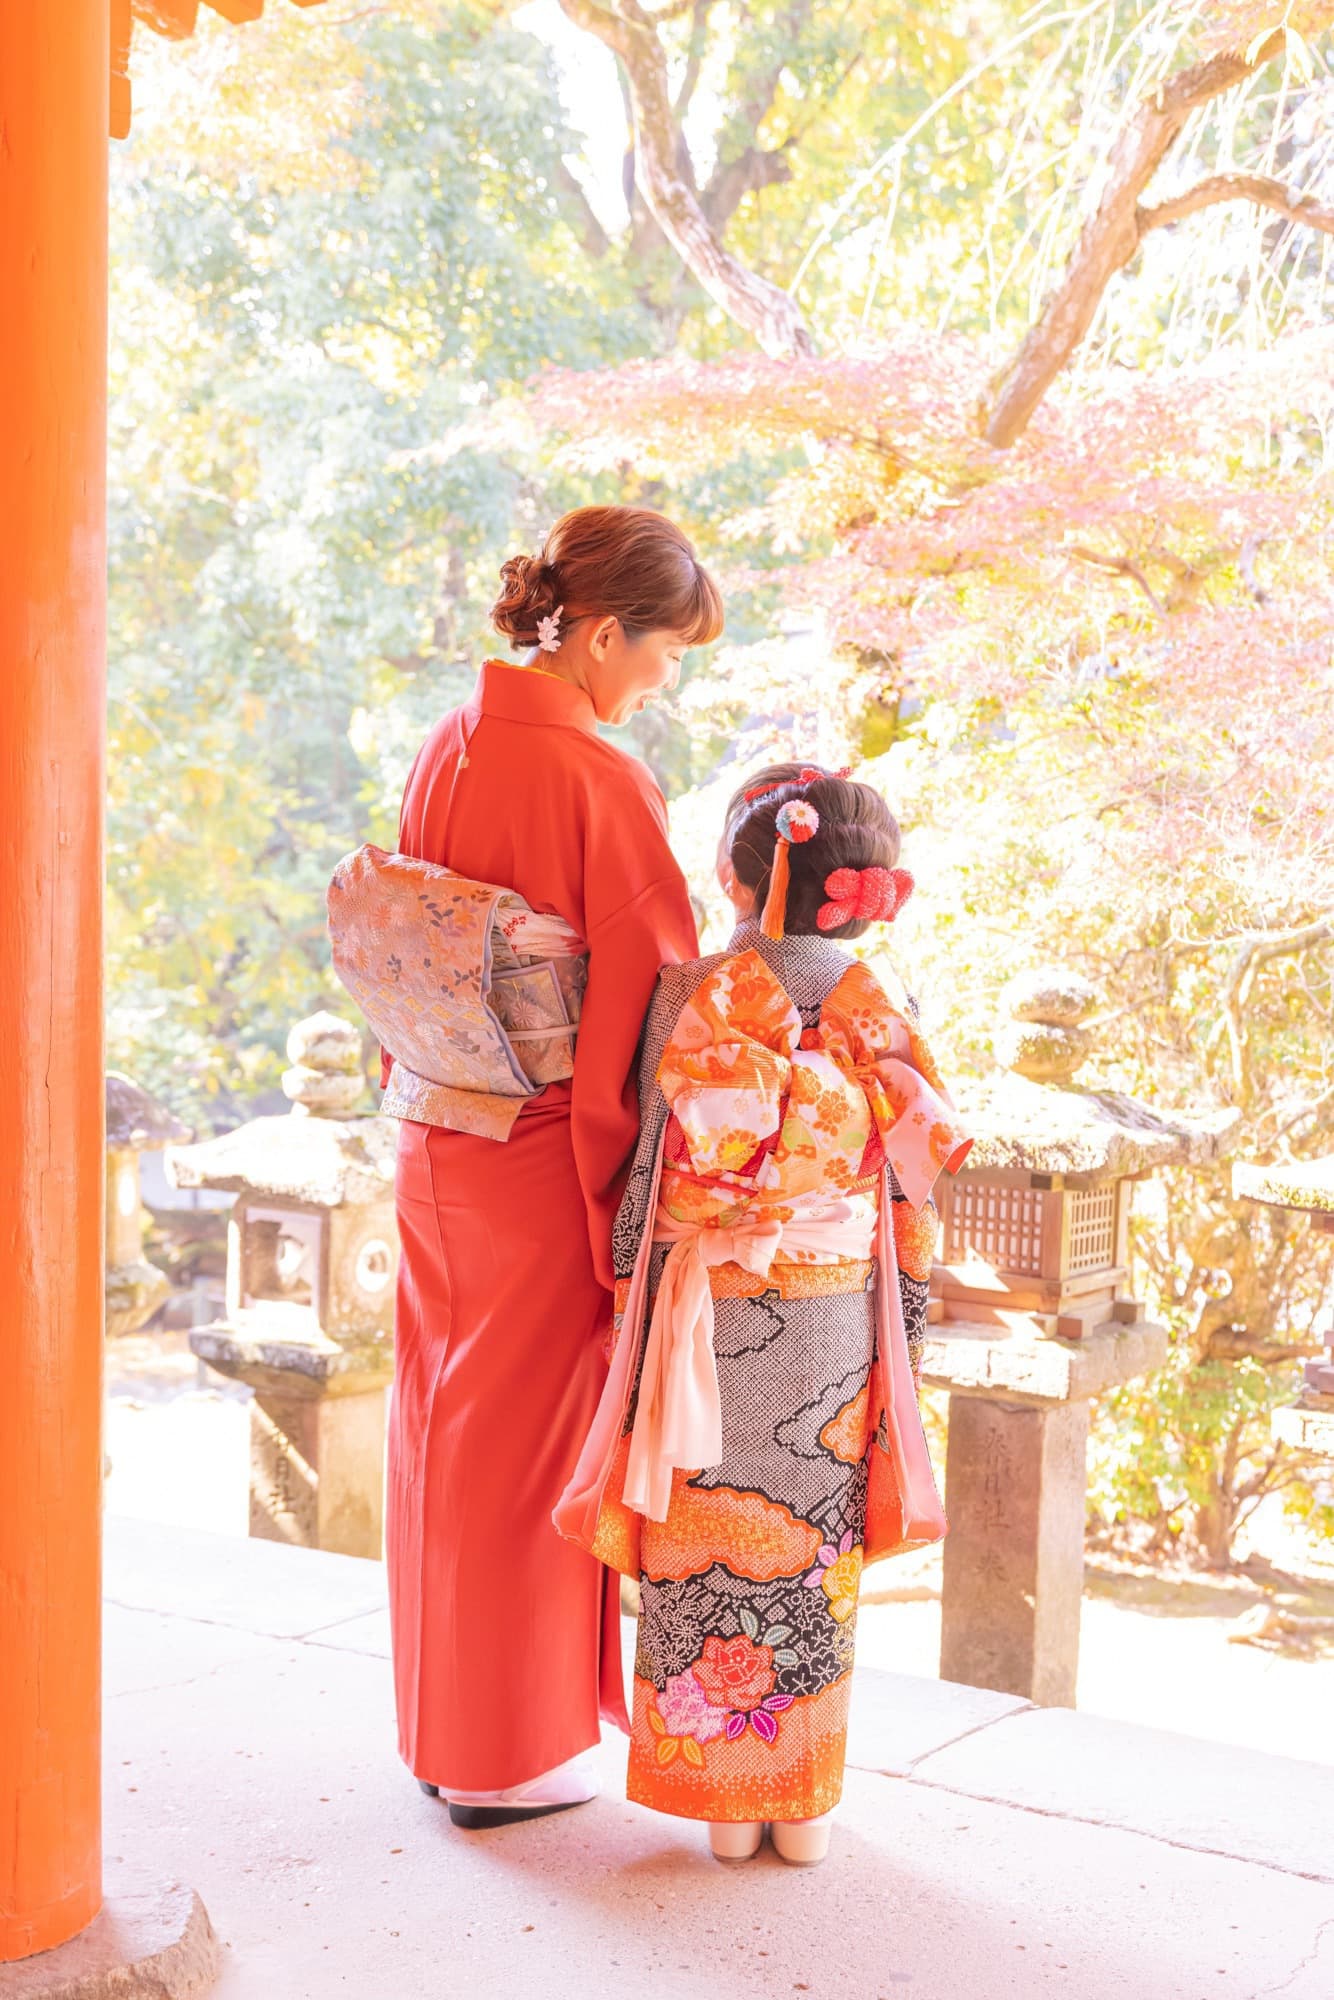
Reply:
x=1308, y=1187
x=136, y=1123
x=312, y=1255
x=1029, y=1318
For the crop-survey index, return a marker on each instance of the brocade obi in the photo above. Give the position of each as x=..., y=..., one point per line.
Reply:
x=474, y=995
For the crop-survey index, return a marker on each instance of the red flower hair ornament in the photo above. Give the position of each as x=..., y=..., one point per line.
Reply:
x=807, y=775
x=863, y=896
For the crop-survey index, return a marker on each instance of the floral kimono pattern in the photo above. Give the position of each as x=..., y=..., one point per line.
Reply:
x=780, y=1085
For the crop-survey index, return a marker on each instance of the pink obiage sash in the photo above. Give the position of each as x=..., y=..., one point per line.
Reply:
x=678, y=1420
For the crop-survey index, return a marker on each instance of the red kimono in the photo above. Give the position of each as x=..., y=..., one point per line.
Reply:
x=506, y=1637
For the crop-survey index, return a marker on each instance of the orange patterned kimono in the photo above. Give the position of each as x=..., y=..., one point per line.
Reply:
x=793, y=1126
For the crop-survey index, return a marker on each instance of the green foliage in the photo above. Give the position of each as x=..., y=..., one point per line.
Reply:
x=1092, y=672
x=299, y=575
x=1184, y=1460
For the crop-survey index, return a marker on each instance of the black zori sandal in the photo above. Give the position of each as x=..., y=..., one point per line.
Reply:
x=475, y=1818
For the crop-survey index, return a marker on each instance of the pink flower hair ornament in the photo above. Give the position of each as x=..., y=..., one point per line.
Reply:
x=548, y=632
x=797, y=821
x=863, y=896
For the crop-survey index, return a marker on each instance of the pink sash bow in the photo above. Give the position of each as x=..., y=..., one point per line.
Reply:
x=678, y=1419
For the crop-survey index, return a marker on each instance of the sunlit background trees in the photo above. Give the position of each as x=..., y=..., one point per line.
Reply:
x=985, y=350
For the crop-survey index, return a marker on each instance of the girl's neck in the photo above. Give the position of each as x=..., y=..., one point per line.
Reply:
x=748, y=932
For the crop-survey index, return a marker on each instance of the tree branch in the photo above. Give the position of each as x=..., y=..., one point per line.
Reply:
x=585, y=223
x=732, y=180
x=1246, y=564
x=1255, y=952
x=1291, y=1119
x=1118, y=566
x=699, y=35
x=765, y=310
x=1111, y=235
x=750, y=167
x=1265, y=193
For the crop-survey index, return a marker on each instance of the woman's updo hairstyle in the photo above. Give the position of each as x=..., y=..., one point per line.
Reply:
x=628, y=563
x=857, y=830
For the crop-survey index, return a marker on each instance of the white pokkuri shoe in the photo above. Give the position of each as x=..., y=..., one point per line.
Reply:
x=802, y=1842
x=735, y=1840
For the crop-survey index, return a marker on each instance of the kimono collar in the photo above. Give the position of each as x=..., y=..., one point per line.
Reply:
x=805, y=950
x=525, y=694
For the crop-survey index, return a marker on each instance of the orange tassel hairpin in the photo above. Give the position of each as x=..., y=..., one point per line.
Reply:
x=797, y=821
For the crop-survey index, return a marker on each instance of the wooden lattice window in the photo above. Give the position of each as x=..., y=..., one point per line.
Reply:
x=1092, y=1218
x=1002, y=1225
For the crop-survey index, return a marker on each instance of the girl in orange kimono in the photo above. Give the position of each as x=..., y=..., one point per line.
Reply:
x=505, y=1637
x=758, y=1441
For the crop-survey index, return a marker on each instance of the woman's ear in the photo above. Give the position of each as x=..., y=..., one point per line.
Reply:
x=601, y=636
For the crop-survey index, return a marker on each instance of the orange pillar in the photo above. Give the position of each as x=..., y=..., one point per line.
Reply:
x=53, y=249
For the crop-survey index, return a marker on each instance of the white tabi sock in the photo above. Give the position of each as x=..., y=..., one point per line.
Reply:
x=568, y=1784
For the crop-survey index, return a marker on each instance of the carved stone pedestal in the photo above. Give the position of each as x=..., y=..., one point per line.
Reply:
x=317, y=1430
x=1015, y=1483
x=1014, y=1556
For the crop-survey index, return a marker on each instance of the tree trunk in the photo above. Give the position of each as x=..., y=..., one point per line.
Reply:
x=764, y=309
x=1212, y=1531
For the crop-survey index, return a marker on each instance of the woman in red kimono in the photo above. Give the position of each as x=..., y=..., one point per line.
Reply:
x=506, y=1638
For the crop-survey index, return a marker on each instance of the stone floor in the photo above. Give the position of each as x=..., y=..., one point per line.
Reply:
x=1154, y=1648
x=984, y=1848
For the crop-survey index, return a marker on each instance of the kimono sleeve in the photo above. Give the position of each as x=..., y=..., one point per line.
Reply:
x=629, y=941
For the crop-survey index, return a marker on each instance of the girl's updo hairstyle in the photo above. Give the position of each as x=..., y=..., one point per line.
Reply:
x=857, y=830
x=628, y=563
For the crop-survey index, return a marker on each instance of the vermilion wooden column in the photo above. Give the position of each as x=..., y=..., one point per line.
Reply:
x=53, y=237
